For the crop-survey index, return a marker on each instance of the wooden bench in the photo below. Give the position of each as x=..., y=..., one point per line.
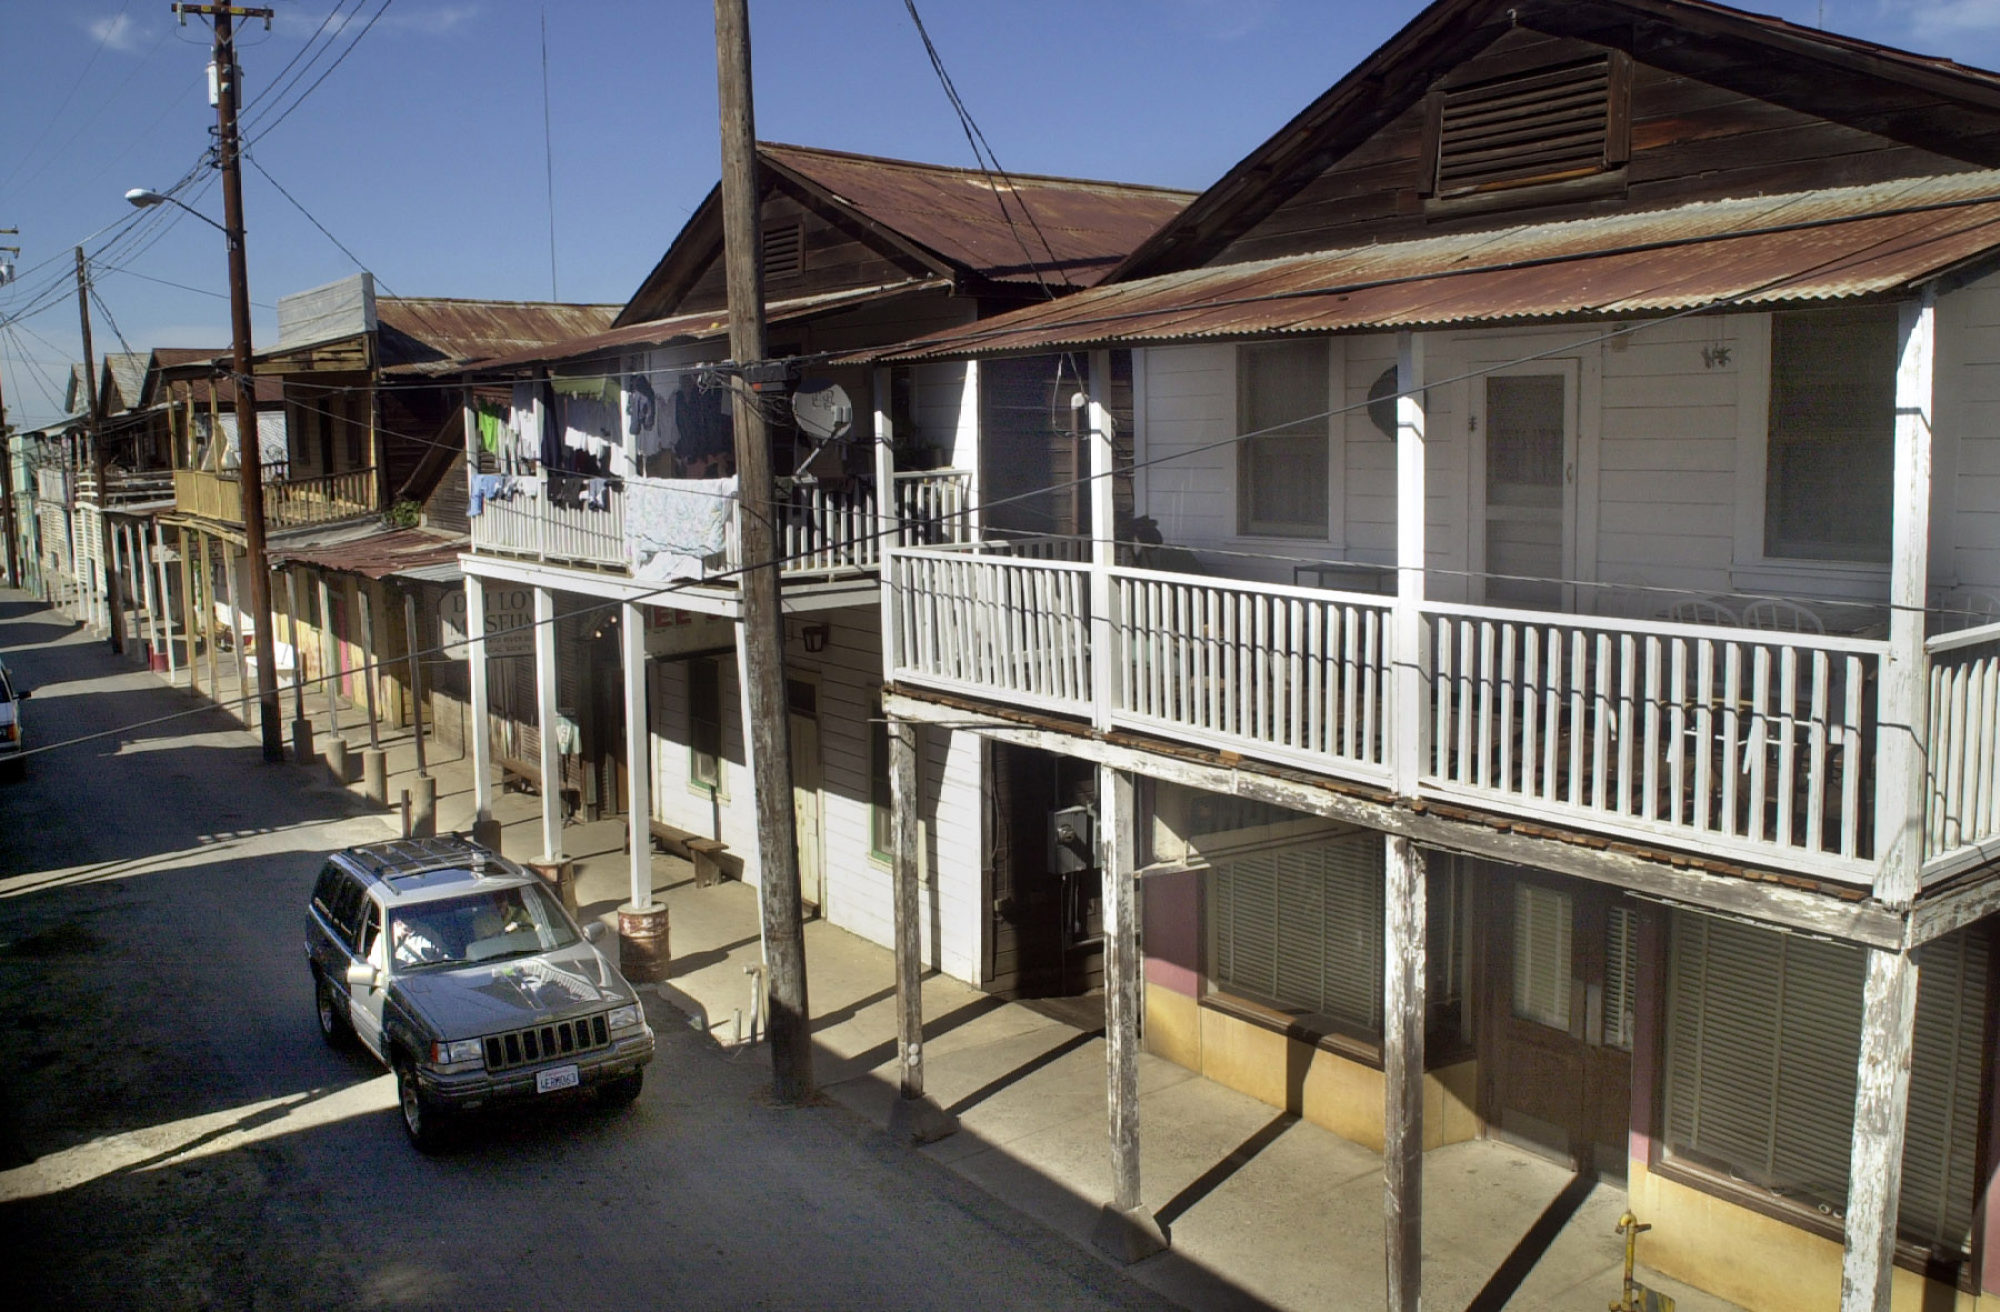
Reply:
x=526, y=777
x=704, y=854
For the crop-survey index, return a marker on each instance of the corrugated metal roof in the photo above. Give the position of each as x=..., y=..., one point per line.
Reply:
x=1089, y=225
x=701, y=326
x=412, y=553
x=1819, y=245
x=431, y=335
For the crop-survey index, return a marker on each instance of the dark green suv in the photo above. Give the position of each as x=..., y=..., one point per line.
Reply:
x=464, y=976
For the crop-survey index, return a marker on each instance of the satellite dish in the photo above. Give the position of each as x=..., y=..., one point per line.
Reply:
x=822, y=410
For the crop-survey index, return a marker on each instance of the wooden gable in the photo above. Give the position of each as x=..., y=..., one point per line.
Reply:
x=812, y=246
x=1481, y=115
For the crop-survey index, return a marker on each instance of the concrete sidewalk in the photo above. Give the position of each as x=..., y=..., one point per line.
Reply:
x=1264, y=1210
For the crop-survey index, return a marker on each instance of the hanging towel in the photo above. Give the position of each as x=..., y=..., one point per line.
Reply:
x=523, y=421
x=489, y=430
x=589, y=425
x=596, y=493
x=642, y=415
x=673, y=524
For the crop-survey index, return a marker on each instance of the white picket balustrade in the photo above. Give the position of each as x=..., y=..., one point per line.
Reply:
x=1752, y=745
x=1293, y=675
x=550, y=518
x=1962, y=799
x=933, y=507
x=991, y=625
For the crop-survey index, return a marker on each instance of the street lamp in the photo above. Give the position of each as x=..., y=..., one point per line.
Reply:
x=250, y=454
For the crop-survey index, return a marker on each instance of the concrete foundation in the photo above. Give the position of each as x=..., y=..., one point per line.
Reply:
x=919, y=1121
x=375, y=775
x=302, y=741
x=1128, y=1236
x=336, y=759
x=423, y=806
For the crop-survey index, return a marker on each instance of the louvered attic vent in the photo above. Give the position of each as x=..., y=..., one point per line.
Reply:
x=1548, y=125
x=784, y=250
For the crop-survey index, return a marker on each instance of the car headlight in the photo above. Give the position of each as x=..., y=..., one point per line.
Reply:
x=625, y=1017
x=458, y=1050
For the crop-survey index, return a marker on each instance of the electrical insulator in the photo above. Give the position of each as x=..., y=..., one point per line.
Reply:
x=214, y=84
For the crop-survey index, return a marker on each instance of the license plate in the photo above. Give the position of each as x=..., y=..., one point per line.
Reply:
x=562, y=1077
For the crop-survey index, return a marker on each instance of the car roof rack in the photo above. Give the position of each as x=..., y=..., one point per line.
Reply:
x=398, y=858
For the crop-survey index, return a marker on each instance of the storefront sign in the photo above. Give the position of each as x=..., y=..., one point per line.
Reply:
x=510, y=620
x=672, y=632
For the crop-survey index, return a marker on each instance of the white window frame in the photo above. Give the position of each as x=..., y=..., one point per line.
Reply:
x=1336, y=451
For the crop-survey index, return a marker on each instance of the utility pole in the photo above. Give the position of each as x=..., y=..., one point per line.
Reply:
x=763, y=632
x=250, y=455
x=114, y=618
x=7, y=462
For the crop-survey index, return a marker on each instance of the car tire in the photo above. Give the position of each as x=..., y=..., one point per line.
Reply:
x=427, y=1125
x=622, y=1091
x=334, y=1024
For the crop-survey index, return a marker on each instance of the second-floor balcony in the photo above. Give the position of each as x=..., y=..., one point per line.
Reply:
x=1756, y=745
x=823, y=532
x=288, y=502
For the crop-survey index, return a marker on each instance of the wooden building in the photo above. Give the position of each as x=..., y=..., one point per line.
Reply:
x=1543, y=686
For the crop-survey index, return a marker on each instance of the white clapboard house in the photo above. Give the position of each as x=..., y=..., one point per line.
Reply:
x=1532, y=630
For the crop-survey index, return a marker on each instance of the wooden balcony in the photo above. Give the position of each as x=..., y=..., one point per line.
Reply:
x=1748, y=745
x=288, y=502
x=823, y=532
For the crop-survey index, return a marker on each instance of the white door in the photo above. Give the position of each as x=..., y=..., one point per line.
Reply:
x=1524, y=422
x=802, y=697
x=365, y=1004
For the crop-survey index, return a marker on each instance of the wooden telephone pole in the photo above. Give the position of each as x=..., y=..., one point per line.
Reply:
x=114, y=618
x=763, y=643
x=249, y=450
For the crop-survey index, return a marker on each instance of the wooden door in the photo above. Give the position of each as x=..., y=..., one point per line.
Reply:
x=1558, y=1051
x=802, y=698
x=1527, y=419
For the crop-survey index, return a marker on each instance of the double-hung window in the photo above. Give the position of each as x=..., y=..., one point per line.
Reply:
x=1831, y=453
x=1282, y=462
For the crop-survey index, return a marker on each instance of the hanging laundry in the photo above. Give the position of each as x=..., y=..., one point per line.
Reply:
x=596, y=388
x=596, y=493
x=490, y=487
x=672, y=525
x=490, y=424
x=642, y=415
x=589, y=425
x=525, y=421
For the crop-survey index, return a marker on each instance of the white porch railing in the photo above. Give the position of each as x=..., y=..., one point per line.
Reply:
x=1750, y=745
x=551, y=518
x=1962, y=796
x=1747, y=744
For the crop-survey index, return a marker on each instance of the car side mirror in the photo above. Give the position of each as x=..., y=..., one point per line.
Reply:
x=594, y=931
x=24, y=694
x=362, y=975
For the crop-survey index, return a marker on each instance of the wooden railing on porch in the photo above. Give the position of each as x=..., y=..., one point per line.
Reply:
x=288, y=502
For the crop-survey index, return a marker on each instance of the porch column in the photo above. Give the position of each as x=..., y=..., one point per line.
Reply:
x=114, y=542
x=914, y=1117
x=484, y=829
x=243, y=685
x=1881, y=1105
x=145, y=574
x=190, y=607
x=1126, y=1228
x=638, y=752
x=546, y=713
x=329, y=657
x=1403, y=1074
x=888, y=519
x=363, y=600
x=302, y=730
x=1901, y=711
x=1104, y=663
x=1407, y=721
x=753, y=858
x=164, y=600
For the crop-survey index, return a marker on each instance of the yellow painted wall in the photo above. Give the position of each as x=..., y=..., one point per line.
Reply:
x=1331, y=1091
x=1759, y=1261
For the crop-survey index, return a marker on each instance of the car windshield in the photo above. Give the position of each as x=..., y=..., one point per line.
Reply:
x=485, y=926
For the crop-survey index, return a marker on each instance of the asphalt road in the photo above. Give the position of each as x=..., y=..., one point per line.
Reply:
x=173, y=1133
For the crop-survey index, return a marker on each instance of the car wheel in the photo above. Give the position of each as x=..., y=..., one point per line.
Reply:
x=334, y=1025
x=427, y=1124
x=621, y=1091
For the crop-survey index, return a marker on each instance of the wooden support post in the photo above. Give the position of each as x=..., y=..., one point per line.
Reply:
x=368, y=665
x=1881, y=1107
x=1105, y=662
x=887, y=514
x=165, y=603
x=1407, y=723
x=913, y=1117
x=1901, y=710
x=484, y=829
x=302, y=728
x=1126, y=1228
x=329, y=655
x=414, y=646
x=1403, y=1074
x=236, y=633
x=547, y=713
x=638, y=753
x=197, y=634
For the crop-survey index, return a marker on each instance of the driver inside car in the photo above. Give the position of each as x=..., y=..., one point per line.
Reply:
x=415, y=945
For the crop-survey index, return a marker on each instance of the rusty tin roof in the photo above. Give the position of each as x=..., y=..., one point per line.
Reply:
x=1828, y=244
x=387, y=553
x=434, y=335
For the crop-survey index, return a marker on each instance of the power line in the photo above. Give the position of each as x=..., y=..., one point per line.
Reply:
x=286, y=113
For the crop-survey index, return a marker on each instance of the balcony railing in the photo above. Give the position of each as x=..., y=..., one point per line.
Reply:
x=288, y=502
x=1745, y=744
x=822, y=531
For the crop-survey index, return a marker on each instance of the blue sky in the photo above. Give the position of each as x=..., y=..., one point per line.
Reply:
x=422, y=152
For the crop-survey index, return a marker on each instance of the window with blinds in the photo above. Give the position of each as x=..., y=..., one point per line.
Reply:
x=1621, y=976
x=1542, y=920
x=1300, y=929
x=1763, y=1037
